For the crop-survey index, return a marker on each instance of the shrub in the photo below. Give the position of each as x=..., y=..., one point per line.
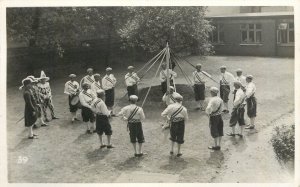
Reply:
x=283, y=142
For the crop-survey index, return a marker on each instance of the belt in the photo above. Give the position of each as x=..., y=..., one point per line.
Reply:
x=225, y=84
x=199, y=83
x=134, y=121
x=216, y=114
x=177, y=119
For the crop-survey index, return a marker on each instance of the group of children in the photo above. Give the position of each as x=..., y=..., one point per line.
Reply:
x=96, y=101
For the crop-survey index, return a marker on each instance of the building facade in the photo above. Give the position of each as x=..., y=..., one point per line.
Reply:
x=257, y=31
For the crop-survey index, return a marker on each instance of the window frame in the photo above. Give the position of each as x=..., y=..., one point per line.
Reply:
x=218, y=31
x=248, y=30
x=288, y=29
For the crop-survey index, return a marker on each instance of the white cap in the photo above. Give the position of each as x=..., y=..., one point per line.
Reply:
x=89, y=70
x=223, y=67
x=100, y=91
x=130, y=67
x=85, y=84
x=72, y=75
x=178, y=97
x=26, y=79
x=237, y=83
x=97, y=75
x=249, y=76
x=239, y=70
x=133, y=98
x=108, y=69
x=199, y=65
x=214, y=90
x=171, y=87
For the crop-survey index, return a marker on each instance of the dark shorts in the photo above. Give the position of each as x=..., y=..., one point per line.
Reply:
x=132, y=90
x=216, y=126
x=73, y=108
x=224, y=92
x=199, y=90
x=164, y=86
x=103, y=125
x=251, y=107
x=237, y=116
x=110, y=97
x=177, y=132
x=136, y=132
x=87, y=115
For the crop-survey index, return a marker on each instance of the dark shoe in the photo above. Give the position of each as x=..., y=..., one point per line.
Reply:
x=32, y=137
x=136, y=155
x=179, y=155
x=54, y=117
x=47, y=120
x=171, y=153
x=110, y=147
x=213, y=147
x=35, y=126
x=141, y=154
x=230, y=134
x=94, y=131
x=44, y=125
x=102, y=146
x=113, y=115
x=35, y=134
x=89, y=132
x=217, y=148
x=197, y=108
x=240, y=135
x=76, y=119
x=250, y=127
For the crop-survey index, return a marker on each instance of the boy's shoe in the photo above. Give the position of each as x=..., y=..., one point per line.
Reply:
x=102, y=146
x=230, y=134
x=179, y=155
x=110, y=147
x=250, y=127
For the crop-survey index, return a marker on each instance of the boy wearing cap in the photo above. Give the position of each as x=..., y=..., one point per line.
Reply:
x=237, y=115
x=172, y=96
x=86, y=96
x=131, y=80
x=30, y=116
x=163, y=77
x=214, y=111
x=89, y=78
x=108, y=83
x=46, y=96
x=226, y=79
x=240, y=77
x=177, y=115
x=200, y=77
x=251, y=101
x=102, y=123
x=72, y=90
x=134, y=115
x=96, y=85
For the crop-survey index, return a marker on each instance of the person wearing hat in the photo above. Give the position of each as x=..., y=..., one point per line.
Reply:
x=38, y=101
x=102, y=123
x=177, y=114
x=131, y=80
x=200, y=77
x=214, y=111
x=237, y=114
x=46, y=96
x=251, y=101
x=96, y=85
x=86, y=97
x=134, y=115
x=240, y=77
x=226, y=80
x=72, y=90
x=108, y=84
x=30, y=114
x=89, y=78
x=163, y=77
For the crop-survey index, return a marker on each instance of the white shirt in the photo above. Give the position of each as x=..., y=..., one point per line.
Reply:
x=163, y=75
x=127, y=111
x=44, y=90
x=239, y=98
x=226, y=78
x=250, y=89
x=241, y=79
x=169, y=111
x=99, y=107
x=87, y=79
x=214, y=104
x=200, y=77
x=95, y=86
x=172, y=100
x=71, y=88
x=108, y=82
x=131, y=79
x=86, y=98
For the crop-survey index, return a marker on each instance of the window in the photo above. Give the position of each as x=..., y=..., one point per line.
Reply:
x=285, y=33
x=217, y=35
x=251, y=33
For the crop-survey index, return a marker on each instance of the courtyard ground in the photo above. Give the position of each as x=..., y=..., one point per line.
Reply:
x=64, y=153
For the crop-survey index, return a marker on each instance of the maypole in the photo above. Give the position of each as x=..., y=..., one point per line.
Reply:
x=168, y=73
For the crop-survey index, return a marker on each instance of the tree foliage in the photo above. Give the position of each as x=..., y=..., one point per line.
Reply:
x=183, y=27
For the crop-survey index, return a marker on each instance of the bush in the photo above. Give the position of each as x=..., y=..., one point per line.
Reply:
x=283, y=142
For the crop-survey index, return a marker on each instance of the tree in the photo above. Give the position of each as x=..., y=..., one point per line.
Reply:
x=183, y=27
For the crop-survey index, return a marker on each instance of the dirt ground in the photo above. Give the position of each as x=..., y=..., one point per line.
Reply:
x=64, y=153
